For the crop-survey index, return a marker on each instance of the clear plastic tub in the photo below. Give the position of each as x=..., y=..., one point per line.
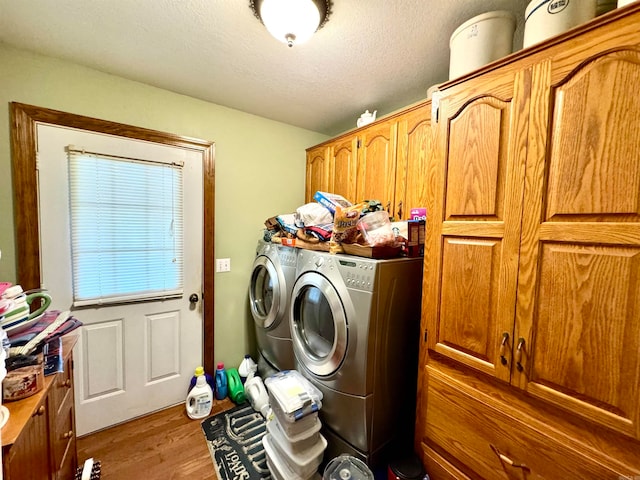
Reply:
x=294, y=444
x=278, y=467
x=303, y=464
x=376, y=229
x=293, y=395
x=289, y=424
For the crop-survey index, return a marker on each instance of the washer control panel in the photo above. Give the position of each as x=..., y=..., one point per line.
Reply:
x=288, y=256
x=357, y=274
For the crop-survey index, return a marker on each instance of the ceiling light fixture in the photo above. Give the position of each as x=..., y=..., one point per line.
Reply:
x=292, y=21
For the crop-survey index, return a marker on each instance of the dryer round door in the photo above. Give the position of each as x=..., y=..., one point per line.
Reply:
x=267, y=293
x=318, y=324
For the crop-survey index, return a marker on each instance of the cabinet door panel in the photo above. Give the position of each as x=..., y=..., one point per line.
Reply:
x=343, y=168
x=377, y=163
x=473, y=232
x=468, y=318
x=317, y=172
x=595, y=140
x=578, y=299
x=477, y=161
x=586, y=324
x=415, y=145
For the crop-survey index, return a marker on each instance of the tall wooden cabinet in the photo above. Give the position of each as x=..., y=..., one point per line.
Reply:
x=373, y=162
x=530, y=353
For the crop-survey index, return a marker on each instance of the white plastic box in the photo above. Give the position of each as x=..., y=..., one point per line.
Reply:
x=304, y=463
x=295, y=443
x=290, y=425
x=546, y=18
x=278, y=467
x=294, y=401
x=481, y=40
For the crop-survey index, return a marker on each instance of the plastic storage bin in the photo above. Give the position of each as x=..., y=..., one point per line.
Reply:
x=279, y=468
x=305, y=463
x=296, y=444
x=289, y=425
x=481, y=40
x=294, y=401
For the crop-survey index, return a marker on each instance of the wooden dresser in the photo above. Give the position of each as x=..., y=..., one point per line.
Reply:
x=530, y=343
x=39, y=441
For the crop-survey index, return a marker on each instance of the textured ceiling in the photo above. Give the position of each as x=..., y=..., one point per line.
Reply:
x=372, y=54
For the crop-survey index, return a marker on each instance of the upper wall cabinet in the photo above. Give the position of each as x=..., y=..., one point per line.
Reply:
x=317, y=178
x=383, y=161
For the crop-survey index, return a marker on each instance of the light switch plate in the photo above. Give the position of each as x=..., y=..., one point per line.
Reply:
x=223, y=265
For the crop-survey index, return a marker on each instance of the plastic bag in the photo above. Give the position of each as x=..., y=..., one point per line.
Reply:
x=345, y=228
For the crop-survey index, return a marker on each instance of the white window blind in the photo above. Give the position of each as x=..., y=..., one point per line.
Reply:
x=126, y=228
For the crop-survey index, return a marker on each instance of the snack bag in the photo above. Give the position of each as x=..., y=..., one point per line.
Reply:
x=345, y=228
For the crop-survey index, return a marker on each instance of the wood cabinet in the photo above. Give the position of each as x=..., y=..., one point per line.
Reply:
x=38, y=441
x=381, y=161
x=530, y=360
x=317, y=172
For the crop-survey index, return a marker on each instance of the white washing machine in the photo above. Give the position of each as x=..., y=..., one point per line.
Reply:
x=272, y=278
x=355, y=329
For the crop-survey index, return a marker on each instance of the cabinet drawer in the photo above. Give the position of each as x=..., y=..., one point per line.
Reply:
x=489, y=444
x=438, y=468
x=62, y=386
x=63, y=434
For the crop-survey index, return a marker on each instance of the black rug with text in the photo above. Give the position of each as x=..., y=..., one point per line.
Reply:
x=234, y=439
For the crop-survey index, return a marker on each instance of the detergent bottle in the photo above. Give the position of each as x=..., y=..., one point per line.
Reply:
x=200, y=371
x=236, y=388
x=247, y=368
x=200, y=399
x=221, y=381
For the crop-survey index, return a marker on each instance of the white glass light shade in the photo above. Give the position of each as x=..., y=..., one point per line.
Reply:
x=290, y=21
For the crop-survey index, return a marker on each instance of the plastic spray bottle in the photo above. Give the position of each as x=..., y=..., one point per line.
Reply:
x=200, y=399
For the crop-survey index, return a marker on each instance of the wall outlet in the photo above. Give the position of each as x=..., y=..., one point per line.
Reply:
x=223, y=265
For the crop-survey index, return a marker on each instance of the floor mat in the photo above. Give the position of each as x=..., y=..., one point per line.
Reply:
x=234, y=439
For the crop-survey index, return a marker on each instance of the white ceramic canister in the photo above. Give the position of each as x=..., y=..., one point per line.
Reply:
x=546, y=18
x=481, y=40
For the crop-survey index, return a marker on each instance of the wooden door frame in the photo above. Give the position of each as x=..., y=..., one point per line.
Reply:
x=24, y=120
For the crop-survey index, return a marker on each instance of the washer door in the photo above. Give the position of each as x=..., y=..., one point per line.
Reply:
x=318, y=324
x=267, y=293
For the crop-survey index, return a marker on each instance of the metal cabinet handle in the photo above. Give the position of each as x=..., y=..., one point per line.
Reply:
x=40, y=411
x=503, y=348
x=503, y=458
x=67, y=383
x=68, y=434
x=519, y=354
x=400, y=210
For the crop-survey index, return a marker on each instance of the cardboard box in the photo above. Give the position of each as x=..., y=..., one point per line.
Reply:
x=418, y=214
x=415, y=238
x=330, y=200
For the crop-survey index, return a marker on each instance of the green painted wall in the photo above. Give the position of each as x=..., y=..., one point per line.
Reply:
x=260, y=166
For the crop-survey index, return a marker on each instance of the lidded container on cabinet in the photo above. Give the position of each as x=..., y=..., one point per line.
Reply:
x=481, y=40
x=546, y=18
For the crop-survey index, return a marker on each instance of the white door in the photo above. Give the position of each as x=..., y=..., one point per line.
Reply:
x=131, y=359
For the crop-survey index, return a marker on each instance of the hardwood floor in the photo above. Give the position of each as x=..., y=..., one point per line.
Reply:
x=166, y=445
